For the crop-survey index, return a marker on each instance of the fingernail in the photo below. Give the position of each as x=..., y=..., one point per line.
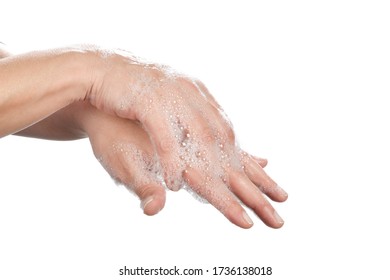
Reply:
x=247, y=218
x=277, y=218
x=282, y=191
x=146, y=201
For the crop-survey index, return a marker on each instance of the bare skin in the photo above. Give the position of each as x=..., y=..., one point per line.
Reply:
x=111, y=136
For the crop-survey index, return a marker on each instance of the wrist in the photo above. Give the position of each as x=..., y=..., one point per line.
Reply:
x=80, y=116
x=82, y=69
x=87, y=119
x=111, y=72
x=79, y=73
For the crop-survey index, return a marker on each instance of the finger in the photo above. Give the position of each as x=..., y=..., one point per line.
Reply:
x=261, y=161
x=265, y=183
x=215, y=192
x=251, y=196
x=245, y=157
x=152, y=197
x=162, y=134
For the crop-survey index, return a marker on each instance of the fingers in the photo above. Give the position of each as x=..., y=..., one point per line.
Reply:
x=215, y=192
x=190, y=135
x=268, y=186
x=251, y=196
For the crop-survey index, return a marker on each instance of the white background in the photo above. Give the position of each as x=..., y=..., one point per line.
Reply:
x=306, y=84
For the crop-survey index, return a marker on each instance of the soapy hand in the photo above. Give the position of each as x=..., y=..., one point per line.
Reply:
x=192, y=137
x=124, y=149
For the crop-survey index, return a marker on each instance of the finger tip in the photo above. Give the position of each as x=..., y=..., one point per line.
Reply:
x=280, y=194
x=263, y=163
x=153, y=205
x=238, y=216
x=274, y=224
x=246, y=226
x=277, y=225
x=173, y=185
x=152, y=209
x=278, y=222
x=280, y=198
x=270, y=217
x=246, y=222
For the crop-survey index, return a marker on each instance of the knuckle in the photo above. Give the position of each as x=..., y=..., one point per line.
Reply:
x=200, y=84
x=144, y=190
x=208, y=136
x=155, y=72
x=230, y=209
x=231, y=135
x=227, y=127
x=188, y=84
x=226, y=135
x=172, y=177
x=258, y=207
x=165, y=145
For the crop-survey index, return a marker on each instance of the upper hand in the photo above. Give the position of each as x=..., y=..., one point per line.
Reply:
x=192, y=136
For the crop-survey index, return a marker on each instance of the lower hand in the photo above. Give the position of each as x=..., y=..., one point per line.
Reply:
x=126, y=152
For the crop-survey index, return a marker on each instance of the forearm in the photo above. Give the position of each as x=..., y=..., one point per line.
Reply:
x=65, y=124
x=76, y=121
x=34, y=86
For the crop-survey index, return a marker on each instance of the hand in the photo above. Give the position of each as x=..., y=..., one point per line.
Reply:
x=125, y=151
x=191, y=135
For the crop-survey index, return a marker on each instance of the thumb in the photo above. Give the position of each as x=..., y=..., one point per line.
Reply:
x=152, y=197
